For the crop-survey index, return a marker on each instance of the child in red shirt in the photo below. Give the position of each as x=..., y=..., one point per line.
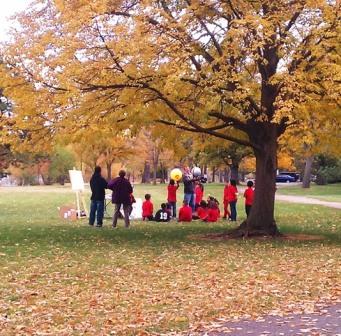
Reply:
x=227, y=213
x=147, y=208
x=202, y=210
x=232, y=196
x=171, y=197
x=248, y=194
x=213, y=210
x=185, y=213
x=199, y=194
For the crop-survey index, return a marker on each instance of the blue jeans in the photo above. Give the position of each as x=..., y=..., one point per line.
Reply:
x=233, y=210
x=190, y=199
x=96, y=206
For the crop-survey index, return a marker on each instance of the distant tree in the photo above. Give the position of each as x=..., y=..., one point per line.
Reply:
x=62, y=160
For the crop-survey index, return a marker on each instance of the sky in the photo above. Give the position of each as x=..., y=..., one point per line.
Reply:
x=9, y=8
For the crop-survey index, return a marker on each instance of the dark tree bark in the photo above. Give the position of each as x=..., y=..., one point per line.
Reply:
x=146, y=173
x=214, y=170
x=154, y=172
x=226, y=174
x=221, y=176
x=235, y=172
x=307, y=172
x=163, y=173
x=261, y=220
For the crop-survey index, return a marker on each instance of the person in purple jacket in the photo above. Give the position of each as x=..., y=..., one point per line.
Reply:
x=121, y=195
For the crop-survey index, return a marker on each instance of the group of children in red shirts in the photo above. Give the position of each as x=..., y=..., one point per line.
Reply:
x=207, y=211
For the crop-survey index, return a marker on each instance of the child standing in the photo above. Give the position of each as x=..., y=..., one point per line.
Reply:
x=163, y=215
x=171, y=198
x=248, y=194
x=147, y=208
x=199, y=194
x=232, y=196
x=185, y=213
x=227, y=213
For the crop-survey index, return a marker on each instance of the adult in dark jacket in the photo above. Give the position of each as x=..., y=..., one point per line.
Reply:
x=121, y=195
x=97, y=185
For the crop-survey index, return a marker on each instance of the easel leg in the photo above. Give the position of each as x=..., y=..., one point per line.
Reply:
x=78, y=205
x=84, y=206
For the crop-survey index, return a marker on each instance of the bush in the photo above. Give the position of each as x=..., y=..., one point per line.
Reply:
x=29, y=179
x=331, y=174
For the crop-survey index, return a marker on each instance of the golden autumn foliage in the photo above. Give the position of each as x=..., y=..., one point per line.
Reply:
x=239, y=71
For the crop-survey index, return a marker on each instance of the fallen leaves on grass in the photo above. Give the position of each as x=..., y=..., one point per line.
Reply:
x=147, y=293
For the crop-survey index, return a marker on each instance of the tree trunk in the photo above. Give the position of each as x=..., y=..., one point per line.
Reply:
x=235, y=172
x=154, y=172
x=261, y=220
x=213, y=174
x=163, y=174
x=307, y=172
x=146, y=173
x=109, y=171
x=226, y=174
x=221, y=176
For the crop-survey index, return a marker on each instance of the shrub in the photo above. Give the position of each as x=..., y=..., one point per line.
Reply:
x=329, y=174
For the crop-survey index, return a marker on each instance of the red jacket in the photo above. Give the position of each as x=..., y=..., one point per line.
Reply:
x=172, y=192
x=249, y=194
x=202, y=213
x=185, y=214
x=213, y=215
x=198, y=194
x=147, y=209
x=231, y=193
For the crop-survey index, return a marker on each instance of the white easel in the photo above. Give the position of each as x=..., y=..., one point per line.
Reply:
x=77, y=185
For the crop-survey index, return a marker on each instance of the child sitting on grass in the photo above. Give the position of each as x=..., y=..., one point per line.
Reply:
x=213, y=212
x=185, y=213
x=202, y=210
x=163, y=214
x=147, y=208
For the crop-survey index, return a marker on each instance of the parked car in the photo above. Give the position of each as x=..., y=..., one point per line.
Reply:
x=284, y=178
x=295, y=175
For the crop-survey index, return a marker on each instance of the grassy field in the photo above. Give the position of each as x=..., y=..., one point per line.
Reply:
x=65, y=278
x=330, y=192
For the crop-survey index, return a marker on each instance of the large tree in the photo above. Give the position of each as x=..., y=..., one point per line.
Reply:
x=236, y=70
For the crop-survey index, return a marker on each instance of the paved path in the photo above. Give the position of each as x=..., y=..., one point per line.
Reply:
x=326, y=322
x=307, y=200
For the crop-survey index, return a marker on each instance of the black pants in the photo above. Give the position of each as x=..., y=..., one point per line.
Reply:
x=248, y=210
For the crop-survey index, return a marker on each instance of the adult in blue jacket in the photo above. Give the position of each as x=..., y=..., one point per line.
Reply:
x=121, y=196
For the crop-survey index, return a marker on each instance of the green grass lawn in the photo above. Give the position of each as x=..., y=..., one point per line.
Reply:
x=65, y=278
x=330, y=192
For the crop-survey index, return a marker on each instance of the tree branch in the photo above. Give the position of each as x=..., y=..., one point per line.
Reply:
x=208, y=131
x=231, y=121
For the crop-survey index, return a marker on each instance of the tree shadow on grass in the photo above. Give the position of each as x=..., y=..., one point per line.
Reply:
x=81, y=237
